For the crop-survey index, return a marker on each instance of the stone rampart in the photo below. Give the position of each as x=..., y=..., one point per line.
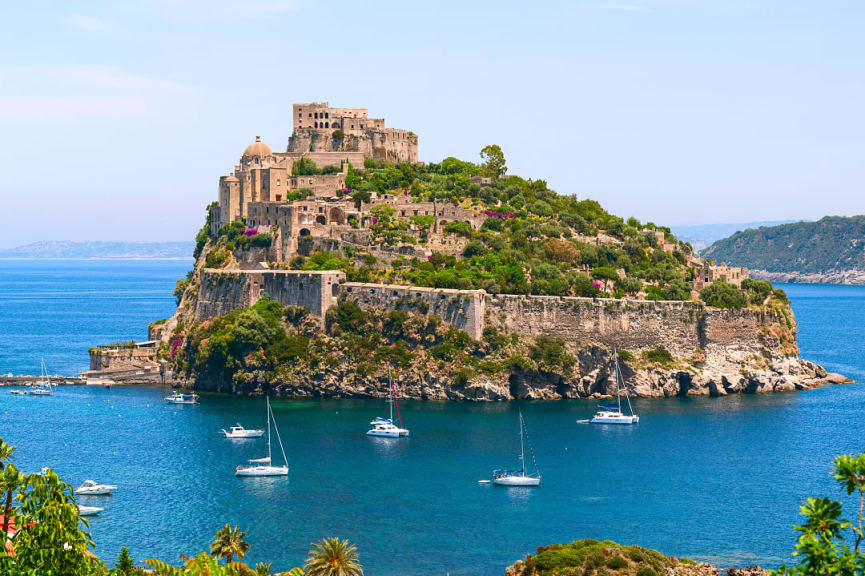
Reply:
x=683, y=328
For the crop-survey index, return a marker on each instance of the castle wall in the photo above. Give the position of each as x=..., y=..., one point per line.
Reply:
x=462, y=309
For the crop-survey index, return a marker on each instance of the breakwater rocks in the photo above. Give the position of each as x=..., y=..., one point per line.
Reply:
x=849, y=277
x=591, y=377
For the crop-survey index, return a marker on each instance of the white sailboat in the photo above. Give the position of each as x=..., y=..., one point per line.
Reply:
x=263, y=466
x=384, y=427
x=612, y=413
x=518, y=477
x=43, y=387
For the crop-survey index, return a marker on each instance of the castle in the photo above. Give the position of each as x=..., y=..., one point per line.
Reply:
x=263, y=189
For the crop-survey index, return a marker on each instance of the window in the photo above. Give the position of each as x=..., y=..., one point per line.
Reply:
x=352, y=126
x=300, y=115
x=278, y=181
x=326, y=115
x=316, y=114
x=327, y=124
x=316, y=124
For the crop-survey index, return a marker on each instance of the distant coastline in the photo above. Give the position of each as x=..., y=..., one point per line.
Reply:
x=100, y=250
x=839, y=277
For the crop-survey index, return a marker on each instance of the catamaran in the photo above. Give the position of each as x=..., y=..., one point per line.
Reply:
x=612, y=413
x=43, y=387
x=384, y=427
x=241, y=432
x=180, y=398
x=262, y=466
x=519, y=477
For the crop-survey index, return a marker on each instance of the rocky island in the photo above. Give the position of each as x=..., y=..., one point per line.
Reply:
x=320, y=266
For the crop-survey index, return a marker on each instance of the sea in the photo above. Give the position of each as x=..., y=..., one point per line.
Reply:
x=714, y=479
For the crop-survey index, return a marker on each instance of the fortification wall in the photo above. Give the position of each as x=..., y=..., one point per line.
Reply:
x=683, y=328
x=462, y=309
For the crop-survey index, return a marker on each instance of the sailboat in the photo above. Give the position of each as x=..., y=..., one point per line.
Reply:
x=384, y=427
x=612, y=413
x=43, y=387
x=263, y=466
x=519, y=477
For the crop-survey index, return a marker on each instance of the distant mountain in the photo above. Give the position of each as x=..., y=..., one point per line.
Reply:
x=101, y=250
x=702, y=235
x=832, y=247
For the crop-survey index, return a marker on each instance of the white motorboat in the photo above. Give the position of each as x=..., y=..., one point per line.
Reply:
x=91, y=488
x=264, y=466
x=612, y=413
x=89, y=510
x=241, y=432
x=519, y=477
x=384, y=427
x=43, y=386
x=180, y=398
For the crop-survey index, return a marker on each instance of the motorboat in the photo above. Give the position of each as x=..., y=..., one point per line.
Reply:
x=519, y=477
x=384, y=427
x=91, y=488
x=612, y=413
x=264, y=466
x=180, y=398
x=18, y=392
x=89, y=510
x=241, y=432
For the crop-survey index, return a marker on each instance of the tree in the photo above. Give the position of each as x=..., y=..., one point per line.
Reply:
x=229, y=543
x=125, y=564
x=52, y=544
x=722, y=294
x=10, y=481
x=332, y=557
x=494, y=160
x=821, y=546
x=304, y=167
x=606, y=274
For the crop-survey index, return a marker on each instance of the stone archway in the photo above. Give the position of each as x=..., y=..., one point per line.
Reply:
x=304, y=232
x=337, y=216
x=320, y=219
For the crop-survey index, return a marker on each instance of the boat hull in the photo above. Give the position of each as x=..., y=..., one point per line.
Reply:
x=89, y=510
x=396, y=433
x=517, y=481
x=262, y=471
x=618, y=420
x=257, y=434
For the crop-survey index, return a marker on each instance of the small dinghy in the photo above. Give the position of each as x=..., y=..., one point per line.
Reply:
x=91, y=488
x=519, y=477
x=89, y=510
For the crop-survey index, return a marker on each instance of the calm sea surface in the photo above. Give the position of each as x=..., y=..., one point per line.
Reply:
x=715, y=479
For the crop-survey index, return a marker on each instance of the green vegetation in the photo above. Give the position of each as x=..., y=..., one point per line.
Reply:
x=204, y=234
x=659, y=355
x=823, y=545
x=228, y=543
x=333, y=557
x=533, y=241
x=832, y=243
x=594, y=558
x=720, y=294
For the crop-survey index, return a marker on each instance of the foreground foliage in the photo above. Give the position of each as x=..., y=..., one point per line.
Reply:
x=823, y=545
x=594, y=558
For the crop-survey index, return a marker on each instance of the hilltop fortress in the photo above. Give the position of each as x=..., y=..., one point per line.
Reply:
x=296, y=204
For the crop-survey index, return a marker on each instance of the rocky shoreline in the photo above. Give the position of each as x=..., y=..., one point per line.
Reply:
x=590, y=379
x=846, y=277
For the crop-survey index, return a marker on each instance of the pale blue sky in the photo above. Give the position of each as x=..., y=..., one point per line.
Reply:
x=117, y=118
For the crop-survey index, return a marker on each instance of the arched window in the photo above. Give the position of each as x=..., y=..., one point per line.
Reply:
x=316, y=124
x=316, y=114
x=327, y=124
x=327, y=115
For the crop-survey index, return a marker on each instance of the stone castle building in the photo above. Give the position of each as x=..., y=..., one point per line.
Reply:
x=708, y=273
x=327, y=136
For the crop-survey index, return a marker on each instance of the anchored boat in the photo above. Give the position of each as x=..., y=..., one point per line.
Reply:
x=384, y=427
x=180, y=398
x=263, y=466
x=612, y=413
x=519, y=477
x=43, y=387
x=241, y=432
x=89, y=510
x=91, y=488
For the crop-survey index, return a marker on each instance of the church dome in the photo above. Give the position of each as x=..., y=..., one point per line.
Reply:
x=257, y=148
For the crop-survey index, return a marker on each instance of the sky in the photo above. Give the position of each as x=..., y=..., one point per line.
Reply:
x=117, y=118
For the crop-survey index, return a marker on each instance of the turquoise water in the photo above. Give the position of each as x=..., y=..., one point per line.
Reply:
x=716, y=479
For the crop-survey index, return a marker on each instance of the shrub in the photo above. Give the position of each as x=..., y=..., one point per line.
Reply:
x=646, y=570
x=617, y=563
x=659, y=355
x=626, y=356
x=338, y=134
x=550, y=353
x=720, y=294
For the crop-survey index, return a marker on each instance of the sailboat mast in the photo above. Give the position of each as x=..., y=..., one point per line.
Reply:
x=522, y=447
x=390, y=392
x=268, y=430
x=618, y=392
